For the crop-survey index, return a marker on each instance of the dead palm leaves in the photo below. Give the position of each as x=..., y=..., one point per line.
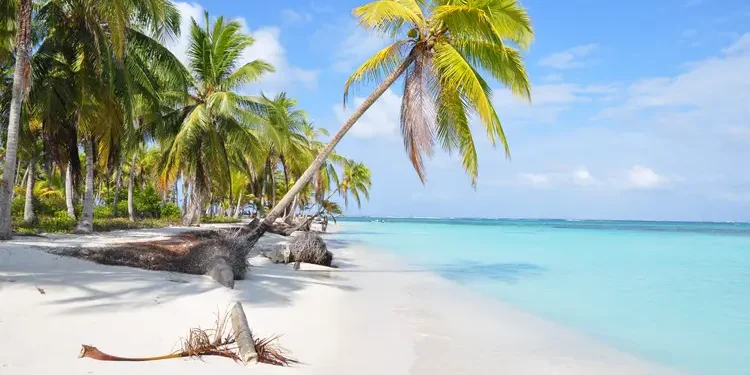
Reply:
x=219, y=341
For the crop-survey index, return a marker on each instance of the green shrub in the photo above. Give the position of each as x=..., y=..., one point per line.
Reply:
x=147, y=202
x=170, y=210
x=219, y=220
x=103, y=212
x=16, y=206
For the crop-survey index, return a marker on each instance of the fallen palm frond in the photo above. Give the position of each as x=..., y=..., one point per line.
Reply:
x=272, y=354
x=218, y=341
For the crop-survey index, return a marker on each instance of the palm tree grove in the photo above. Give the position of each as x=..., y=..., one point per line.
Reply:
x=104, y=128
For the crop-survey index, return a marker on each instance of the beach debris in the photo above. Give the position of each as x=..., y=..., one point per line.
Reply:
x=237, y=344
x=243, y=335
x=304, y=247
x=310, y=248
x=41, y=291
x=218, y=255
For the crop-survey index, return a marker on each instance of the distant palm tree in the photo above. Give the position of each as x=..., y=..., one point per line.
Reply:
x=440, y=49
x=355, y=182
x=23, y=50
x=213, y=127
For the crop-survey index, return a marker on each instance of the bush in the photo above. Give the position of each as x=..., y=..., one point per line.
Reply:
x=60, y=223
x=147, y=201
x=16, y=206
x=170, y=210
x=218, y=220
x=103, y=212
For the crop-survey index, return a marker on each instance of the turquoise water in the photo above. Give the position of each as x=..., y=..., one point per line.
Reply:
x=673, y=293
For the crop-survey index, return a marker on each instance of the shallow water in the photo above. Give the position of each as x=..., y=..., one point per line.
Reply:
x=674, y=293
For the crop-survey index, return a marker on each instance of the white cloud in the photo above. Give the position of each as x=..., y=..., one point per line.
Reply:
x=535, y=180
x=641, y=177
x=548, y=101
x=740, y=46
x=293, y=16
x=359, y=45
x=568, y=59
x=582, y=177
x=554, y=77
x=689, y=33
x=381, y=120
x=180, y=45
x=713, y=91
x=267, y=47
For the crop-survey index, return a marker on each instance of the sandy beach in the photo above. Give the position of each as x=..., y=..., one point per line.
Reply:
x=372, y=315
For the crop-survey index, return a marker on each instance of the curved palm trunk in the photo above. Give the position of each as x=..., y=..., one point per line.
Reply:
x=308, y=175
x=131, y=186
x=23, y=44
x=28, y=209
x=118, y=185
x=86, y=224
x=69, y=191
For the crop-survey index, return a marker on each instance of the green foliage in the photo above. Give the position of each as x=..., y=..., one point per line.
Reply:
x=16, y=206
x=59, y=223
x=170, y=210
x=105, y=225
x=218, y=220
x=147, y=202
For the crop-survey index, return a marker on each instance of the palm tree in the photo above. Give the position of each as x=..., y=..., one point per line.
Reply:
x=23, y=48
x=104, y=54
x=212, y=129
x=440, y=49
x=356, y=182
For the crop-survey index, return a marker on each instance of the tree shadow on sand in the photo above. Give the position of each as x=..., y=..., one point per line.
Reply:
x=90, y=287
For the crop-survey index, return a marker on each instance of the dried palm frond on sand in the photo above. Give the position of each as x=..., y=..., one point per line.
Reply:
x=218, y=341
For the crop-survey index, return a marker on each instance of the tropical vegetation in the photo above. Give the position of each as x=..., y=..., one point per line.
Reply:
x=104, y=127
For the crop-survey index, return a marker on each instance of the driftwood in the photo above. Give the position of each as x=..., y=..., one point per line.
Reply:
x=243, y=336
x=238, y=345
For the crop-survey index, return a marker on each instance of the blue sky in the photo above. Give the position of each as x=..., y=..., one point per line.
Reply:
x=641, y=110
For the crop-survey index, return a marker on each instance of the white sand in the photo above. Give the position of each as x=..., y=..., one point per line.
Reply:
x=371, y=316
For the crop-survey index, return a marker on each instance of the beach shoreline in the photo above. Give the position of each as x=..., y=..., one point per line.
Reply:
x=372, y=315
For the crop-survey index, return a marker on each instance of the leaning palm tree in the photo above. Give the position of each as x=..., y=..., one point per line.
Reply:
x=23, y=50
x=440, y=48
x=213, y=127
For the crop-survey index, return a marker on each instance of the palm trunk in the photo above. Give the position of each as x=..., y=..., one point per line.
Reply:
x=185, y=192
x=196, y=206
x=131, y=186
x=237, y=209
x=118, y=185
x=315, y=166
x=273, y=188
x=28, y=209
x=290, y=213
x=86, y=223
x=286, y=179
x=18, y=173
x=69, y=191
x=23, y=44
x=25, y=175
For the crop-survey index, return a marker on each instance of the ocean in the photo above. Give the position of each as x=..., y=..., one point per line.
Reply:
x=675, y=293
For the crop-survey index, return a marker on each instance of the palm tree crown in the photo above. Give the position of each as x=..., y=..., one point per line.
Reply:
x=442, y=47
